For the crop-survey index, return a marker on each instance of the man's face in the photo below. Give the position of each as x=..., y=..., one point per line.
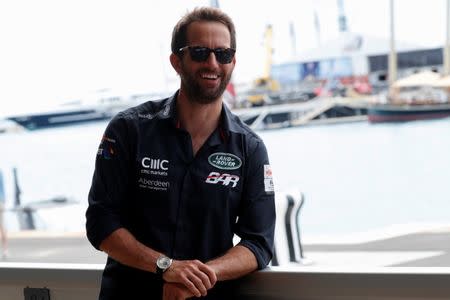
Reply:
x=205, y=82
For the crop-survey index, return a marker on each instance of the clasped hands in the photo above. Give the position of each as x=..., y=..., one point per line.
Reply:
x=187, y=278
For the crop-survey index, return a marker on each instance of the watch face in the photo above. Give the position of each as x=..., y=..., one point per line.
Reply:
x=163, y=262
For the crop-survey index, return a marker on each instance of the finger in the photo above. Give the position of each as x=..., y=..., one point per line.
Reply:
x=207, y=270
x=166, y=294
x=205, y=273
x=204, y=278
x=192, y=288
x=197, y=281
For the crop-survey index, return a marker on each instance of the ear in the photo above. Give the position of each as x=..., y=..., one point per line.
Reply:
x=175, y=61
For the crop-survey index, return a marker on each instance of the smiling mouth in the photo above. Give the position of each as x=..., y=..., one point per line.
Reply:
x=209, y=76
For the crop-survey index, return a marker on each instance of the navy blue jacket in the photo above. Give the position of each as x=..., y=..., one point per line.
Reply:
x=148, y=181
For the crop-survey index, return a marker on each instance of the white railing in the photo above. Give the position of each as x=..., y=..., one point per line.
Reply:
x=63, y=281
x=82, y=281
x=363, y=284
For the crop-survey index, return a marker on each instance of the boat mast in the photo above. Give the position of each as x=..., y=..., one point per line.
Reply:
x=342, y=19
x=392, y=65
x=214, y=3
x=317, y=27
x=447, y=43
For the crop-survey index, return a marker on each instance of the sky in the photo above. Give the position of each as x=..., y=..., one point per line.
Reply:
x=56, y=51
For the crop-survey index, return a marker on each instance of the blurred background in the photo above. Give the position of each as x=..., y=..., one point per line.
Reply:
x=350, y=97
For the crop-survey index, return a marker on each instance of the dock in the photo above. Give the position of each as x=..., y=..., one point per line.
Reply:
x=315, y=111
x=428, y=248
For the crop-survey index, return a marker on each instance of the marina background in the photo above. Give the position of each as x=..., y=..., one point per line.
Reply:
x=55, y=52
x=358, y=178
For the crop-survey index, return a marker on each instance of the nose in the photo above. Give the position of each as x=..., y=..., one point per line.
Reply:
x=212, y=60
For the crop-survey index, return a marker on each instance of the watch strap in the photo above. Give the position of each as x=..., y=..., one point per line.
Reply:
x=159, y=271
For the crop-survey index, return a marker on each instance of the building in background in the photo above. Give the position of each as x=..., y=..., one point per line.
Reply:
x=356, y=61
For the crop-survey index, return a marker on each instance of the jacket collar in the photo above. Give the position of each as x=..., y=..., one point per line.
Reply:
x=227, y=122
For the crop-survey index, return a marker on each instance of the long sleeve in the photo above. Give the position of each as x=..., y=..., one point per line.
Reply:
x=111, y=182
x=256, y=223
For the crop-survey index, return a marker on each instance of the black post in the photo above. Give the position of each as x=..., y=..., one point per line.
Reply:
x=287, y=220
x=297, y=218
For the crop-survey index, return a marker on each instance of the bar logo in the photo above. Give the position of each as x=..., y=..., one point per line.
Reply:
x=223, y=179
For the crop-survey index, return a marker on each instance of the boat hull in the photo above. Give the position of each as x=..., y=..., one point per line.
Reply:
x=47, y=120
x=404, y=113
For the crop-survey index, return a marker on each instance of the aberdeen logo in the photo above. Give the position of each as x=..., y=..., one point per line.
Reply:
x=225, y=161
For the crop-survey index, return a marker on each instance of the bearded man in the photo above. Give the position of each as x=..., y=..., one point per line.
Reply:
x=176, y=179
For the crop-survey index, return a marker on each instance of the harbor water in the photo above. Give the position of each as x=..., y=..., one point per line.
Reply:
x=356, y=177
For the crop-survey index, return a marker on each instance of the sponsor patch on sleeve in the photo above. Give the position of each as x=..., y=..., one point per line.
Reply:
x=107, y=148
x=268, y=179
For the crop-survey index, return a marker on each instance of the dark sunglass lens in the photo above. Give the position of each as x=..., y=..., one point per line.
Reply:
x=224, y=56
x=199, y=54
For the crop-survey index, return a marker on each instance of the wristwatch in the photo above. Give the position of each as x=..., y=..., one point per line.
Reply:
x=162, y=264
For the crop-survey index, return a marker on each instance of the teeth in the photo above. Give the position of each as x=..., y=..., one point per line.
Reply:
x=210, y=76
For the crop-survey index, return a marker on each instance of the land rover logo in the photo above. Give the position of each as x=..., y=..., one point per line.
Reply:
x=225, y=161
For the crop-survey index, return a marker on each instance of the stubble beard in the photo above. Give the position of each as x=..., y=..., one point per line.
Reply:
x=196, y=93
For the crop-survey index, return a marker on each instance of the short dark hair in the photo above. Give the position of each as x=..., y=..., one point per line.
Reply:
x=179, y=33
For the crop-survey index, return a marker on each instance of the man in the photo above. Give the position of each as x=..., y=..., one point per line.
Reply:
x=175, y=180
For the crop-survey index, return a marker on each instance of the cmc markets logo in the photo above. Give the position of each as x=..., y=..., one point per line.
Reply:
x=155, y=164
x=225, y=161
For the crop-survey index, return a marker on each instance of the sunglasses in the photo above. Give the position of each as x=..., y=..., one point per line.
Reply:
x=201, y=54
